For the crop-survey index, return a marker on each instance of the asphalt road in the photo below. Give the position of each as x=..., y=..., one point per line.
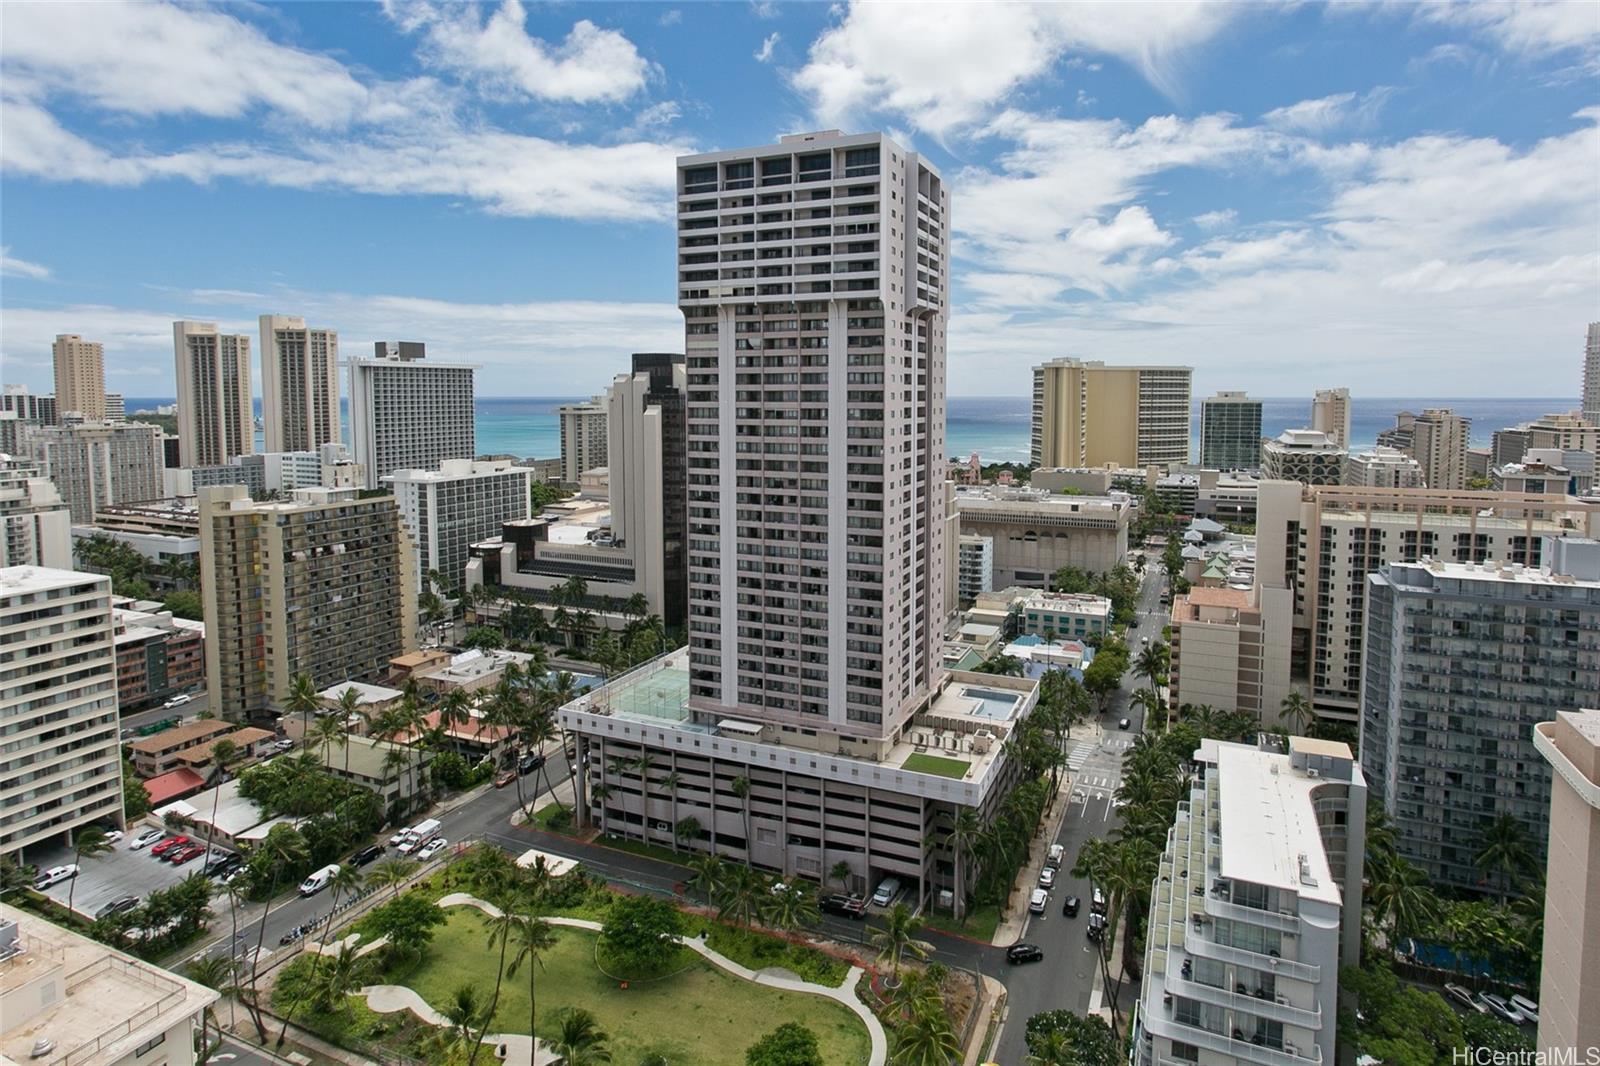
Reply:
x=189, y=710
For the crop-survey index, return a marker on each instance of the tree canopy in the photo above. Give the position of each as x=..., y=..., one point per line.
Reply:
x=790, y=1044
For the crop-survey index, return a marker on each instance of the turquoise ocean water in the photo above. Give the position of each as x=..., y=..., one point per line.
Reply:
x=997, y=427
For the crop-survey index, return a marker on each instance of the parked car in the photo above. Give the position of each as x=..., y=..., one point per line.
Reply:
x=1037, y=901
x=170, y=843
x=1069, y=908
x=1047, y=878
x=1018, y=953
x=117, y=906
x=1529, y=1009
x=177, y=701
x=1123, y=723
x=55, y=875
x=367, y=855
x=1055, y=856
x=224, y=870
x=1097, y=926
x=1097, y=901
x=434, y=848
x=181, y=856
x=888, y=891
x=530, y=762
x=218, y=859
x=400, y=837
x=1463, y=997
x=114, y=836
x=1499, y=1006
x=845, y=906
x=504, y=778
x=145, y=839
x=283, y=745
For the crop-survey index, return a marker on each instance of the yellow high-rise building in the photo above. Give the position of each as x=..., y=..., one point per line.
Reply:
x=1091, y=414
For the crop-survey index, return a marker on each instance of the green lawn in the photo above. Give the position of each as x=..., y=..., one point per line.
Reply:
x=703, y=1016
x=981, y=922
x=937, y=764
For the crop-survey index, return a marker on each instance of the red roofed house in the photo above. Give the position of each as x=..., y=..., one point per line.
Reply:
x=175, y=785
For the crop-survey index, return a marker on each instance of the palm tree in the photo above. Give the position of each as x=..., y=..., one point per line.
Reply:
x=304, y=701
x=574, y=590
x=840, y=872
x=579, y=1040
x=345, y=879
x=223, y=754
x=925, y=1039
x=792, y=907
x=349, y=708
x=740, y=786
x=1295, y=711
x=216, y=972
x=743, y=892
x=709, y=875
x=1401, y=898
x=1151, y=664
x=896, y=938
x=502, y=929
x=1051, y=1048
x=1503, y=850
x=961, y=837
x=285, y=851
x=391, y=873
x=463, y=1013
x=532, y=938
x=87, y=843
x=685, y=830
x=329, y=729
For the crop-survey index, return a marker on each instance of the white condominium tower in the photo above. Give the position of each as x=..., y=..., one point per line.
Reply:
x=1591, y=374
x=408, y=412
x=1330, y=414
x=299, y=384
x=812, y=279
x=214, y=414
x=58, y=705
x=80, y=367
x=584, y=435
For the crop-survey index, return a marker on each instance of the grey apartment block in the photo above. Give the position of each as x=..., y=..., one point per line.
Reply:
x=97, y=464
x=1230, y=432
x=408, y=412
x=1461, y=661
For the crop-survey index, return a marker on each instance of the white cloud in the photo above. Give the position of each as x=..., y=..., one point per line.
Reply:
x=571, y=345
x=157, y=59
x=1528, y=27
x=764, y=53
x=1329, y=113
x=506, y=173
x=970, y=57
x=12, y=267
x=1216, y=219
x=592, y=65
x=670, y=17
x=764, y=9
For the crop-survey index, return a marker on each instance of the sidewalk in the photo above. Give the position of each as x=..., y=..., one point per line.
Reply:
x=1015, y=920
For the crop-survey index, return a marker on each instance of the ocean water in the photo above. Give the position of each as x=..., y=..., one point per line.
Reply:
x=998, y=427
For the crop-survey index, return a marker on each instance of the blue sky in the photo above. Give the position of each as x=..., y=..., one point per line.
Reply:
x=1400, y=198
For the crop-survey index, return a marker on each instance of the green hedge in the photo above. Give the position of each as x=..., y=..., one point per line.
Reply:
x=759, y=950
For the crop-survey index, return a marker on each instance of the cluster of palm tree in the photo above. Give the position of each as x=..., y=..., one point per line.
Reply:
x=1508, y=932
x=521, y=619
x=747, y=897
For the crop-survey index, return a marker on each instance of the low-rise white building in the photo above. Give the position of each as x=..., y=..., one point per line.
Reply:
x=66, y=999
x=1073, y=615
x=974, y=567
x=1257, y=902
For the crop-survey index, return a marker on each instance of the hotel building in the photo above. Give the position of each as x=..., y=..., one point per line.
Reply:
x=583, y=438
x=1462, y=660
x=1257, y=903
x=1230, y=432
x=96, y=465
x=1304, y=455
x=215, y=418
x=1036, y=532
x=447, y=510
x=1570, y=972
x=1330, y=414
x=1091, y=414
x=299, y=385
x=80, y=368
x=408, y=412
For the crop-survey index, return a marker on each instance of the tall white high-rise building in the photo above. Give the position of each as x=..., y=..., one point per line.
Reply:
x=35, y=524
x=1230, y=432
x=1330, y=414
x=1591, y=374
x=584, y=437
x=80, y=368
x=462, y=502
x=96, y=464
x=1383, y=468
x=299, y=385
x=58, y=705
x=215, y=418
x=813, y=280
x=408, y=412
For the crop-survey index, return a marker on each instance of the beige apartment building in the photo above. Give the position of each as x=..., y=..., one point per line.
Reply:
x=583, y=437
x=215, y=419
x=322, y=584
x=1091, y=414
x=1034, y=532
x=88, y=1005
x=58, y=706
x=80, y=368
x=1570, y=979
x=1330, y=414
x=299, y=385
x=1231, y=650
x=97, y=465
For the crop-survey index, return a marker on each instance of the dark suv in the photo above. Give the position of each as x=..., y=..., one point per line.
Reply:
x=1070, y=907
x=367, y=854
x=1018, y=953
x=842, y=905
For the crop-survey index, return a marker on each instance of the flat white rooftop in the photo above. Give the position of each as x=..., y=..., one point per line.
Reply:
x=1269, y=824
x=20, y=580
x=365, y=693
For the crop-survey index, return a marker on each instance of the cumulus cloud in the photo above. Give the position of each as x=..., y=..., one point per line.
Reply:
x=1216, y=219
x=12, y=267
x=591, y=65
x=970, y=57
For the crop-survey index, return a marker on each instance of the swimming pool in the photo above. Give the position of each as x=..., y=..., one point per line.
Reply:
x=993, y=704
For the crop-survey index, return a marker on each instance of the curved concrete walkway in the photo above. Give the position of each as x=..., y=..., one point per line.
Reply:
x=845, y=994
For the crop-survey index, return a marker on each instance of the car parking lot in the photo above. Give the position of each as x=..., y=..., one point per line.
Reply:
x=119, y=872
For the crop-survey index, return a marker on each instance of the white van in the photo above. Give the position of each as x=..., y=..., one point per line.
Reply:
x=420, y=834
x=888, y=891
x=319, y=880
